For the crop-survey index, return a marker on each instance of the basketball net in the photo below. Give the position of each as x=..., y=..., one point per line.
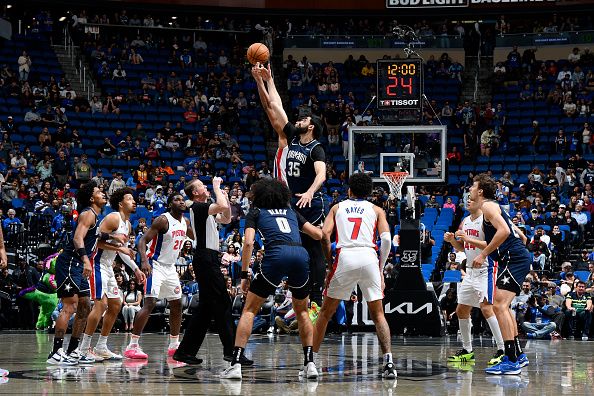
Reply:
x=395, y=182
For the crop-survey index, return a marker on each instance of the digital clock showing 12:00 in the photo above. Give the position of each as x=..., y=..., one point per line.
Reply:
x=399, y=83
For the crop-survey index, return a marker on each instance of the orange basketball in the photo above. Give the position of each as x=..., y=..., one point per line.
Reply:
x=258, y=52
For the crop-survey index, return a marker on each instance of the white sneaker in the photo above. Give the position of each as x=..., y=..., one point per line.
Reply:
x=3, y=373
x=90, y=354
x=309, y=371
x=60, y=359
x=389, y=371
x=106, y=354
x=81, y=358
x=585, y=338
x=232, y=372
x=270, y=330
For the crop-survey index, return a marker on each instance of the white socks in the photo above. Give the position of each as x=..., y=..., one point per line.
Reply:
x=496, y=331
x=173, y=341
x=85, y=343
x=465, y=326
x=102, y=343
x=134, y=340
x=388, y=358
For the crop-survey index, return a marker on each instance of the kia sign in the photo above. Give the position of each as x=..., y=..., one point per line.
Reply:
x=425, y=3
x=408, y=308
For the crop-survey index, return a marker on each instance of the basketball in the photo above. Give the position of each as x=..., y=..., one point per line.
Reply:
x=258, y=52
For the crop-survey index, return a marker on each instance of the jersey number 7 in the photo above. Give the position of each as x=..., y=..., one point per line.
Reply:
x=356, y=227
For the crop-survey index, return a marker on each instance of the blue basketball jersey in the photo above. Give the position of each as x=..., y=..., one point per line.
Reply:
x=276, y=226
x=90, y=238
x=512, y=243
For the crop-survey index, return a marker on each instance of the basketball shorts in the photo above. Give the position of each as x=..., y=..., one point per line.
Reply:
x=103, y=282
x=163, y=283
x=69, y=277
x=477, y=286
x=352, y=267
x=511, y=270
x=314, y=214
x=278, y=262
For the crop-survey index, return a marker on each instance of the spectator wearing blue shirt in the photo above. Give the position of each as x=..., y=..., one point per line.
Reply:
x=538, y=320
x=159, y=202
x=11, y=224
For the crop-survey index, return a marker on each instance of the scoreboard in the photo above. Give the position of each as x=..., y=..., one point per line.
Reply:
x=400, y=84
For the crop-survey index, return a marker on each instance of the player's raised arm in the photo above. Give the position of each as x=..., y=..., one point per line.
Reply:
x=221, y=204
x=272, y=103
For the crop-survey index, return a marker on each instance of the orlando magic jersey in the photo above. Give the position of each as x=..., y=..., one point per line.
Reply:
x=276, y=226
x=294, y=164
x=512, y=243
x=90, y=238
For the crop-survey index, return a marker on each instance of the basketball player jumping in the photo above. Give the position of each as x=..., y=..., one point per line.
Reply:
x=104, y=288
x=477, y=288
x=279, y=227
x=511, y=265
x=300, y=162
x=166, y=238
x=73, y=267
x=357, y=223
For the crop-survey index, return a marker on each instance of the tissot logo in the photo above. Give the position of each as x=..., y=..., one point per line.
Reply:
x=426, y=3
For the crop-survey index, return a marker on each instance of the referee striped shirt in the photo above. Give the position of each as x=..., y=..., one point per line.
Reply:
x=204, y=227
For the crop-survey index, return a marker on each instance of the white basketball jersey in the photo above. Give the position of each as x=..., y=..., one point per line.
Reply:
x=164, y=248
x=356, y=224
x=107, y=257
x=474, y=229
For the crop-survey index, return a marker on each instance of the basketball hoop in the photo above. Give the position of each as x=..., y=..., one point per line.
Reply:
x=395, y=181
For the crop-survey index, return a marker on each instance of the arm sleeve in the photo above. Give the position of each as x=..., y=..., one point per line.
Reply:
x=300, y=220
x=290, y=130
x=318, y=154
x=385, y=247
x=251, y=220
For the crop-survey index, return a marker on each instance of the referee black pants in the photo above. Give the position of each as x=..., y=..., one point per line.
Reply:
x=214, y=302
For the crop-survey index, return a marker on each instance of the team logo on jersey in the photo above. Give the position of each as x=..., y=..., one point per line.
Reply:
x=177, y=290
x=116, y=290
x=409, y=256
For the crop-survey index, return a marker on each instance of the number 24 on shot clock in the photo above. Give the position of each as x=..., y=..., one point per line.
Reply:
x=400, y=84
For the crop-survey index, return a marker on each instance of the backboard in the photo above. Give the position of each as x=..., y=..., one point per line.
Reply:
x=420, y=150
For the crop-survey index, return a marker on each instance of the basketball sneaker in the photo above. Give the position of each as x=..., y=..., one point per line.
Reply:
x=80, y=357
x=106, y=354
x=506, y=367
x=243, y=360
x=90, y=354
x=496, y=359
x=389, y=371
x=523, y=360
x=309, y=371
x=172, y=348
x=60, y=359
x=462, y=356
x=134, y=352
x=232, y=372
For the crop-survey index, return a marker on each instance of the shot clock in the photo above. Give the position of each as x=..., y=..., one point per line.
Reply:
x=400, y=84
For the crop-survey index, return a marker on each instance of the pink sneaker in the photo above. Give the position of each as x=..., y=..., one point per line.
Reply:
x=134, y=352
x=172, y=348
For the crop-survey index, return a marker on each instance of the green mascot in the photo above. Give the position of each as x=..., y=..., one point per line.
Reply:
x=44, y=293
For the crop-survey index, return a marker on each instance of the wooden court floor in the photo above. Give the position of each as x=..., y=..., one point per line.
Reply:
x=350, y=365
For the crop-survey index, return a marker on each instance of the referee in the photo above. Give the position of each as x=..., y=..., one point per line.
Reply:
x=214, y=301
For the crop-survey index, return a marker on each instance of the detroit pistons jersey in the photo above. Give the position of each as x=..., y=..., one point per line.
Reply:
x=511, y=246
x=164, y=248
x=90, y=239
x=105, y=258
x=356, y=224
x=474, y=229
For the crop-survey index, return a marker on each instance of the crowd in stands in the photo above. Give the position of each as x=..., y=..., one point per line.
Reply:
x=174, y=109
